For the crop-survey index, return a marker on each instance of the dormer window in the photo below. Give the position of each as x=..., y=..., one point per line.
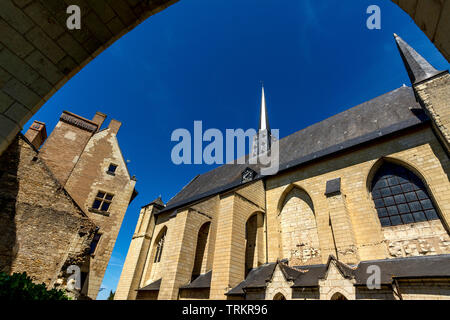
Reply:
x=112, y=169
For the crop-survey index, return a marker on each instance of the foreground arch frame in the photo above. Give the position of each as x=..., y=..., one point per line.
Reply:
x=38, y=54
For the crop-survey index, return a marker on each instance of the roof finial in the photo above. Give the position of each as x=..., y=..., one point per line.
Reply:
x=418, y=68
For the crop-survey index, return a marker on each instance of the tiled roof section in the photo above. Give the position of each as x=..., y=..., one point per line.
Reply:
x=203, y=281
x=437, y=266
x=257, y=278
x=154, y=286
x=381, y=116
x=290, y=274
x=310, y=276
x=157, y=202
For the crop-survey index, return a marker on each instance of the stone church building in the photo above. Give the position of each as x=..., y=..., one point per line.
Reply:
x=62, y=201
x=360, y=209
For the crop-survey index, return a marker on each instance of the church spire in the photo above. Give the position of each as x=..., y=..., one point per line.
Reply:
x=418, y=68
x=263, y=138
x=264, y=120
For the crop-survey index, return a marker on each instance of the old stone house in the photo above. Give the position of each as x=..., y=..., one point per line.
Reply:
x=63, y=203
x=364, y=193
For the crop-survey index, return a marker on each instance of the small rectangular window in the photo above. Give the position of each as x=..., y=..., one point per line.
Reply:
x=102, y=201
x=94, y=243
x=112, y=169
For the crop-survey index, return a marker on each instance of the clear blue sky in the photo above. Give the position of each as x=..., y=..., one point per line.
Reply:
x=204, y=60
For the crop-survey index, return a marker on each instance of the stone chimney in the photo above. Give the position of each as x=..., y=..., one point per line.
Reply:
x=114, y=126
x=36, y=134
x=99, y=118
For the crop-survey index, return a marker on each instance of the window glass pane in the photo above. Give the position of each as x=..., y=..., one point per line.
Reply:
x=392, y=210
x=415, y=206
x=105, y=206
x=386, y=192
x=379, y=203
x=400, y=197
x=389, y=201
x=385, y=222
x=109, y=197
x=376, y=194
x=395, y=220
x=407, y=218
x=392, y=181
x=403, y=208
x=421, y=195
x=112, y=168
x=419, y=216
x=96, y=204
x=381, y=184
x=100, y=194
x=411, y=196
x=431, y=214
x=382, y=212
x=407, y=187
x=426, y=204
x=396, y=190
x=94, y=243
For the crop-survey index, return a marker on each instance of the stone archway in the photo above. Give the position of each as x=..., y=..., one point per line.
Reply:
x=338, y=296
x=42, y=54
x=279, y=296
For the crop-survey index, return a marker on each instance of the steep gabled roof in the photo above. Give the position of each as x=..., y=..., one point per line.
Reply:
x=384, y=115
x=418, y=68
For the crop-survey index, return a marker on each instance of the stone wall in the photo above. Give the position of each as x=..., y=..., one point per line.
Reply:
x=417, y=239
x=88, y=177
x=132, y=271
x=277, y=285
x=42, y=231
x=299, y=239
x=435, y=98
x=426, y=289
x=418, y=149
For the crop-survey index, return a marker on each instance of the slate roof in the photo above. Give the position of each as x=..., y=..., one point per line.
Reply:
x=257, y=278
x=203, y=281
x=154, y=286
x=437, y=266
x=418, y=68
x=379, y=117
x=310, y=276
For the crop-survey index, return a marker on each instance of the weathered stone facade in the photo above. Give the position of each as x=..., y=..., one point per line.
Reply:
x=314, y=230
x=86, y=165
x=79, y=154
x=42, y=230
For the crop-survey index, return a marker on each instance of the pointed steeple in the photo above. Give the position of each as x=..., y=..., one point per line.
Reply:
x=418, y=68
x=264, y=120
x=262, y=139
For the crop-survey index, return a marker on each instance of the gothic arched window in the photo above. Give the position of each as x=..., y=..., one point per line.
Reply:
x=160, y=247
x=401, y=197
